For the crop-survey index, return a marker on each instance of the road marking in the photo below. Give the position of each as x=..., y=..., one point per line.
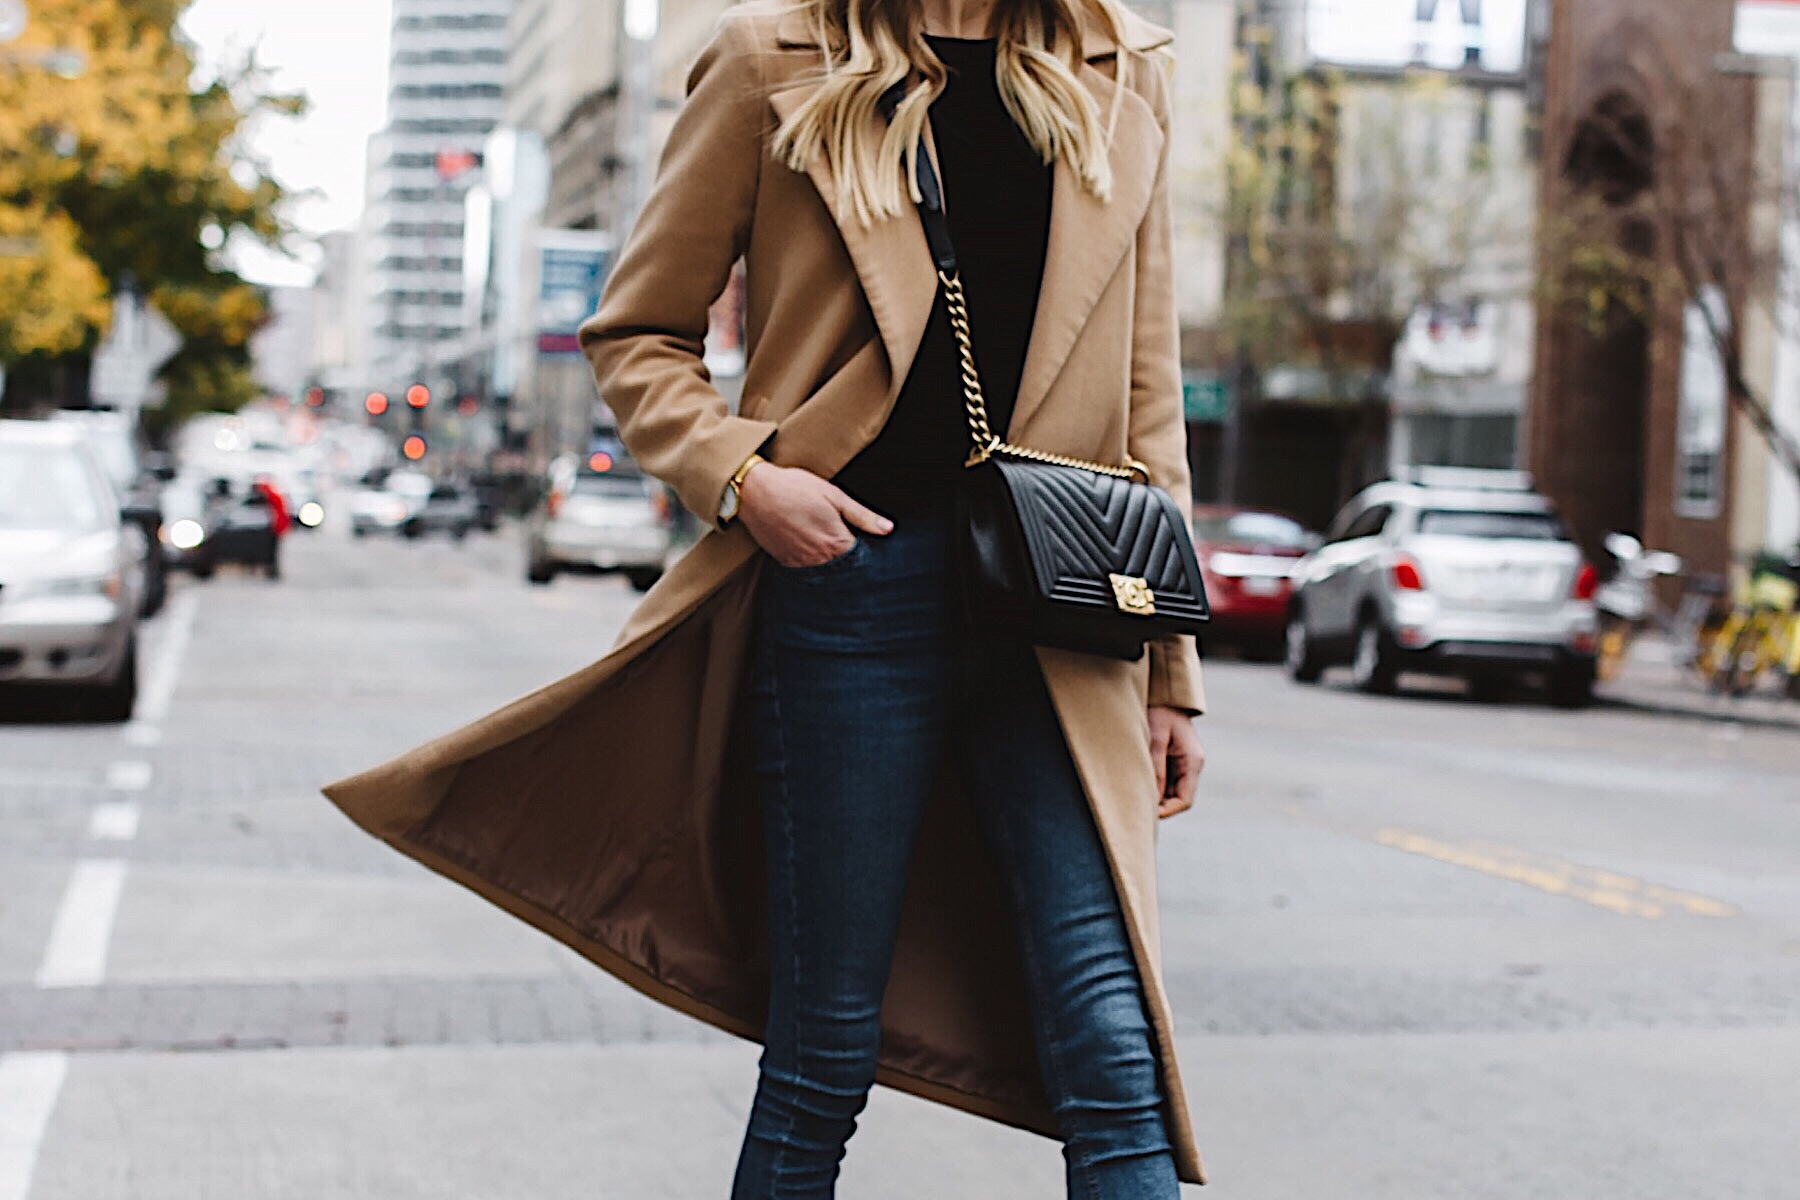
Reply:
x=24, y=777
x=29, y=1086
x=82, y=931
x=1622, y=894
x=129, y=775
x=164, y=671
x=115, y=821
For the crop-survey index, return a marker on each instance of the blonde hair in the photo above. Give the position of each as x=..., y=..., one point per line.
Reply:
x=871, y=45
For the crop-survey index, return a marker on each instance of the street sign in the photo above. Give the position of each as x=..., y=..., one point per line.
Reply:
x=572, y=273
x=123, y=374
x=1767, y=27
x=1204, y=398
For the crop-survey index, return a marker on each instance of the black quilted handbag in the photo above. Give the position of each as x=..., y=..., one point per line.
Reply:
x=1073, y=554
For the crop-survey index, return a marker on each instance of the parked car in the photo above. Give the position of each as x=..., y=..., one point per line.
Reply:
x=448, y=508
x=71, y=569
x=386, y=499
x=1247, y=558
x=1457, y=572
x=114, y=442
x=214, y=521
x=616, y=520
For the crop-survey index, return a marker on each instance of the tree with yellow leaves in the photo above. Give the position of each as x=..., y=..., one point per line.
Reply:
x=126, y=171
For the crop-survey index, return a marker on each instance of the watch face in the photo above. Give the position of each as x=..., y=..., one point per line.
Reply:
x=729, y=505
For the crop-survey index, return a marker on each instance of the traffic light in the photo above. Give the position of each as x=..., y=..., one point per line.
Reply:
x=413, y=447
x=315, y=397
x=376, y=404
x=418, y=395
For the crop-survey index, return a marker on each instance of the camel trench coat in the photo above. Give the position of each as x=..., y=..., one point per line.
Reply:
x=614, y=809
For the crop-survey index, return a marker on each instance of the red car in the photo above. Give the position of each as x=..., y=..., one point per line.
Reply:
x=1245, y=556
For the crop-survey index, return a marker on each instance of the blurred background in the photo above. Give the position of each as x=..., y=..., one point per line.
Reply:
x=1490, y=330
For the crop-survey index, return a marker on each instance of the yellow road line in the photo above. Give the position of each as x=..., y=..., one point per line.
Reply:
x=1622, y=894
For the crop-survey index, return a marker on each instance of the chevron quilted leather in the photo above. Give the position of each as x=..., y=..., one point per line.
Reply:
x=1044, y=541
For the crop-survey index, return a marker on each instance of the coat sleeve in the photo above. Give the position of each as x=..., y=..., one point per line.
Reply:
x=646, y=341
x=1158, y=430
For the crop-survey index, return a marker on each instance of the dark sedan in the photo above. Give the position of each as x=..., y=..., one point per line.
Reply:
x=449, y=508
x=214, y=521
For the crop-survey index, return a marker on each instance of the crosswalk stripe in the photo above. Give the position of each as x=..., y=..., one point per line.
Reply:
x=29, y=1087
x=116, y=821
x=129, y=775
x=75, y=956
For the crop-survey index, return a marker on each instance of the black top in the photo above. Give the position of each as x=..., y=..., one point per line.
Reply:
x=997, y=196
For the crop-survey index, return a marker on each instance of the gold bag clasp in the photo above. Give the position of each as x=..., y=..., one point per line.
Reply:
x=1133, y=595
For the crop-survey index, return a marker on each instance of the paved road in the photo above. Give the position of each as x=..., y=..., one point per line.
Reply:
x=1419, y=947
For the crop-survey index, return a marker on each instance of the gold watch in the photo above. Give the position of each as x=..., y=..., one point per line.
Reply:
x=728, y=504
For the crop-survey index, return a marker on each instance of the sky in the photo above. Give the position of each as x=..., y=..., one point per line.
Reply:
x=336, y=52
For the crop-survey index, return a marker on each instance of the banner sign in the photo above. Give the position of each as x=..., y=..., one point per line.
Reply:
x=1449, y=35
x=1767, y=27
x=572, y=274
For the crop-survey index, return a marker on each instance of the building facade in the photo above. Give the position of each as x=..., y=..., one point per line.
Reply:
x=595, y=102
x=1377, y=231
x=447, y=74
x=1630, y=425
x=284, y=353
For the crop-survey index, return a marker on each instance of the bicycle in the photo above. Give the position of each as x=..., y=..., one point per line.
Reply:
x=1761, y=634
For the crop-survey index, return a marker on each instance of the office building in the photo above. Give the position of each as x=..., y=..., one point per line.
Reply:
x=446, y=86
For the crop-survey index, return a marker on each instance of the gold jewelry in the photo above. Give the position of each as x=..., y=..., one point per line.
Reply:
x=987, y=443
x=734, y=490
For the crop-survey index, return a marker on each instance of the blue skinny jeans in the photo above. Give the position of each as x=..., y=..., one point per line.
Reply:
x=863, y=682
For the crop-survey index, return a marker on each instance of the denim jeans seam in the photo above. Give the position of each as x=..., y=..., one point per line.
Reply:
x=792, y=915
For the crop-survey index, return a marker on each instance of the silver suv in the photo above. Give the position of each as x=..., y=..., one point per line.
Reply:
x=604, y=516
x=1450, y=572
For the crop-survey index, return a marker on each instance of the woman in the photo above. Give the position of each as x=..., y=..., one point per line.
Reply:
x=800, y=800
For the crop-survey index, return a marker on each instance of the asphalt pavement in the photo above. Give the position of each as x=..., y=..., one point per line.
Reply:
x=1418, y=946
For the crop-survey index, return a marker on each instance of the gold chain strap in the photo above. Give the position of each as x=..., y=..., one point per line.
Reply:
x=987, y=445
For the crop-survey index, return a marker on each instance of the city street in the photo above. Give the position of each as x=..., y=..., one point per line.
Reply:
x=1418, y=946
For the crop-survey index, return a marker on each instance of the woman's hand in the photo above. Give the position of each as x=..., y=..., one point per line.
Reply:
x=800, y=519
x=1175, y=749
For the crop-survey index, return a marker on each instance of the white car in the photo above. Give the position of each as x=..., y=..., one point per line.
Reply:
x=71, y=569
x=1451, y=572
x=385, y=507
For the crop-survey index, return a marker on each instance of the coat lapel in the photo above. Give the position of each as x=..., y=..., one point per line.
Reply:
x=892, y=261
x=1087, y=239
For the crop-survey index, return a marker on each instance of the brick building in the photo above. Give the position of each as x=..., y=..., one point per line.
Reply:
x=1628, y=426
